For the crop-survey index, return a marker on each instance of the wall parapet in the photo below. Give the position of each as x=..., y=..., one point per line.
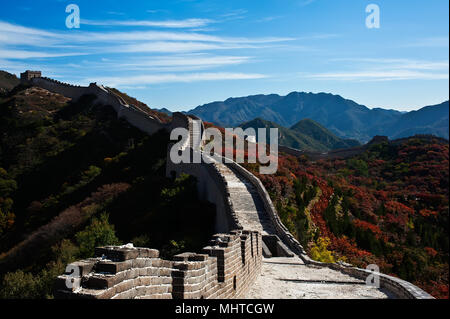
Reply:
x=280, y=229
x=134, y=116
x=224, y=269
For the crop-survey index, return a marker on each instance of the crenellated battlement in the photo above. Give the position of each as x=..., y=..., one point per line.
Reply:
x=224, y=269
x=62, y=83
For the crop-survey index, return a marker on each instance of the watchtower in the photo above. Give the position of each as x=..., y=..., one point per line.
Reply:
x=28, y=75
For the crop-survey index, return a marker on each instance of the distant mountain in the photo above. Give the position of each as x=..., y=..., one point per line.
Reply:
x=428, y=120
x=235, y=111
x=306, y=135
x=7, y=81
x=322, y=135
x=164, y=110
x=345, y=118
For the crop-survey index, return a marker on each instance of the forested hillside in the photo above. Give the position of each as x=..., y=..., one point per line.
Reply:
x=306, y=135
x=74, y=177
x=387, y=206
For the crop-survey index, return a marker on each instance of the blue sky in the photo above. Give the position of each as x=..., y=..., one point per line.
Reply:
x=183, y=53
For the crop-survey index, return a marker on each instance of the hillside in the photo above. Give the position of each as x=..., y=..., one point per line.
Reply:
x=164, y=110
x=7, y=81
x=286, y=136
x=73, y=177
x=386, y=206
x=322, y=135
x=345, y=118
x=162, y=116
x=306, y=135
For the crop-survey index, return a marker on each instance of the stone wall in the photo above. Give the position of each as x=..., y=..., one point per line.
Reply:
x=224, y=269
x=139, y=119
x=71, y=91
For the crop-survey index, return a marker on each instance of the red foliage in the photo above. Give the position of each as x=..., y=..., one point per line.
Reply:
x=368, y=226
x=404, y=184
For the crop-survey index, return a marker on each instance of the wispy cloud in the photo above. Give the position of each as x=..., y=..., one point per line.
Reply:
x=304, y=3
x=26, y=54
x=234, y=15
x=146, y=36
x=171, y=24
x=171, y=78
x=115, y=13
x=379, y=69
x=368, y=76
x=187, y=62
x=157, y=11
x=174, y=47
x=134, y=52
x=440, y=42
x=386, y=63
x=268, y=19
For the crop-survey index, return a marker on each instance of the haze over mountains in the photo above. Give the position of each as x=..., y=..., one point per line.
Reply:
x=343, y=117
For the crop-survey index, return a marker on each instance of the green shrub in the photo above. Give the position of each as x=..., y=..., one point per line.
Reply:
x=98, y=233
x=20, y=285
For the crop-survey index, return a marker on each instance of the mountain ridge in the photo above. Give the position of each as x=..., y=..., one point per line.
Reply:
x=344, y=117
x=306, y=135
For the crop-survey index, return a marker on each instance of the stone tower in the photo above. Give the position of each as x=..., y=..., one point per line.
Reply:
x=28, y=75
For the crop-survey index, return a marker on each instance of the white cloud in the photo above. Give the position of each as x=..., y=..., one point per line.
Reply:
x=180, y=63
x=11, y=34
x=124, y=52
x=176, y=24
x=166, y=36
x=304, y=3
x=386, y=69
x=172, y=78
x=171, y=47
x=25, y=54
x=13, y=28
x=139, y=41
x=171, y=63
x=428, y=42
x=398, y=63
x=380, y=75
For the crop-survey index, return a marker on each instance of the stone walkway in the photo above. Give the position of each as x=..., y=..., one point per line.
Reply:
x=290, y=278
x=284, y=277
x=247, y=203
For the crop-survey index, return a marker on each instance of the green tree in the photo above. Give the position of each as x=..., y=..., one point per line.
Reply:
x=99, y=233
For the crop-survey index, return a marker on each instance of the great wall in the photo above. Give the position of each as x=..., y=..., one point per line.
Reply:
x=250, y=256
